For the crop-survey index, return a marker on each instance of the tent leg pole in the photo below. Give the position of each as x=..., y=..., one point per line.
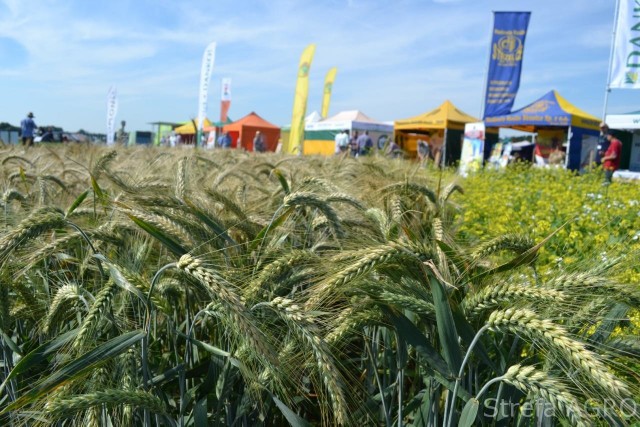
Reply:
x=444, y=149
x=566, y=158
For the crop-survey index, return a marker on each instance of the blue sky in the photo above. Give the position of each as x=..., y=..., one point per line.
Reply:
x=395, y=58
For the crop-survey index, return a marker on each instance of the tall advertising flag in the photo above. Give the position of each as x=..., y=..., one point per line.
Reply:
x=208, y=60
x=225, y=99
x=505, y=62
x=625, y=60
x=296, y=136
x=328, y=88
x=112, y=110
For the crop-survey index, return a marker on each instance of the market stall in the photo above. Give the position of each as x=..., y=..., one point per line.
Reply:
x=188, y=130
x=319, y=137
x=244, y=130
x=556, y=121
x=442, y=129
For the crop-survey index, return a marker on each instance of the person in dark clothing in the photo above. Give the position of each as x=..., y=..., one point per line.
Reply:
x=258, y=143
x=47, y=136
x=365, y=144
x=27, y=130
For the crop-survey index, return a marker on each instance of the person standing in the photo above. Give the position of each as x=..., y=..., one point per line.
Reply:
x=365, y=144
x=27, y=130
x=611, y=158
x=342, y=142
x=121, y=134
x=258, y=143
x=353, y=144
x=423, y=151
x=225, y=142
x=603, y=143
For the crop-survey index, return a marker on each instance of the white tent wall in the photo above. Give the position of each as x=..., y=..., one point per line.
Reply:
x=623, y=121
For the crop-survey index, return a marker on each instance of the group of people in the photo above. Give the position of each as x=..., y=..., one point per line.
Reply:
x=171, y=140
x=28, y=130
x=259, y=145
x=356, y=145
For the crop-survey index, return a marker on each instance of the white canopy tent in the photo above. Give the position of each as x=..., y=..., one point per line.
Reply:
x=319, y=137
x=352, y=120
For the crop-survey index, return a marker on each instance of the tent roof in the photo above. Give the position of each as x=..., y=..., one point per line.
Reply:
x=251, y=120
x=439, y=118
x=352, y=120
x=550, y=110
x=352, y=116
x=188, y=128
x=313, y=117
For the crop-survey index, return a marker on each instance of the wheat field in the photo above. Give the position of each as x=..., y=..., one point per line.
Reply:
x=171, y=287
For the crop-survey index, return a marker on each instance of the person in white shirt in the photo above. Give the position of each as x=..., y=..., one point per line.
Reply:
x=342, y=141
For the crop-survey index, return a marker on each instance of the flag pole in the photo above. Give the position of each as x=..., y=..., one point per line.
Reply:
x=613, y=41
x=486, y=70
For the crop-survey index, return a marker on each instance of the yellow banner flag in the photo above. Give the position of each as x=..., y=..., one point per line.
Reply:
x=328, y=87
x=296, y=137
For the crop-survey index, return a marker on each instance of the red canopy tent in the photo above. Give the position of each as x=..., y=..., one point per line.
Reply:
x=244, y=130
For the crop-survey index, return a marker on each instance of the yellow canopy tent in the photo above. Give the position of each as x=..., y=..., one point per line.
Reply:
x=446, y=116
x=444, y=125
x=189, y=129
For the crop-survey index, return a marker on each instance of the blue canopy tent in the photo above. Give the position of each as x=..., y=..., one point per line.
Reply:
x=552, y=111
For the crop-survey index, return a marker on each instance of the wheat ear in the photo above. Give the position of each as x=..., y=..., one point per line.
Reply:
x=13, y=194
x=181, y=178
x=65, y=294
x=526, y=322
x=528, y=379
x=350, y=321
x=409, y=187
x=62, y=408
x=374, y=257
x=102, y=163
x=492, y=296
x=304, y=326
x=240, y=317
x=304, y=198
x=39, y=222
x=100, y=305
x=275, y=270
x=509, y=242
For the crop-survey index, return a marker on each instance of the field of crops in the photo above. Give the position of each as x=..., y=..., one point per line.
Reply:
x=188, y=288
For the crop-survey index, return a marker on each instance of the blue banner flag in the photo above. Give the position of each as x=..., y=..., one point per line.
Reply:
x=505, y=64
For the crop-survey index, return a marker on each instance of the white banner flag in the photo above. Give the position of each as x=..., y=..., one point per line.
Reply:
x=112, y=110
x=208, y=60
x=625, y=61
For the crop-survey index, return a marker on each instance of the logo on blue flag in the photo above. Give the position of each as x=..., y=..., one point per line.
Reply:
x=505, y=65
